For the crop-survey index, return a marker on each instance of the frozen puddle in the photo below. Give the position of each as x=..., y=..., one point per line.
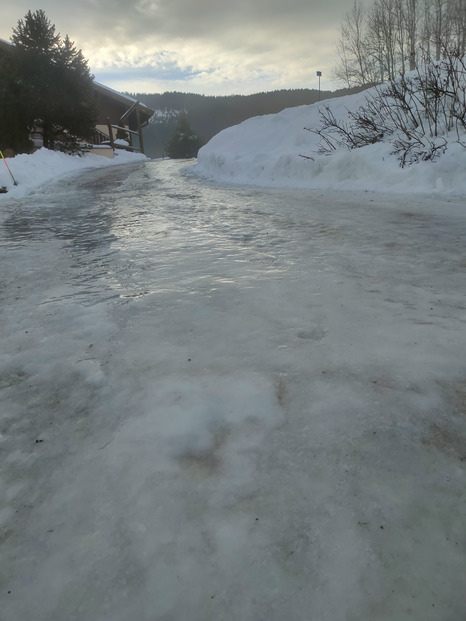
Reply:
x=225, y=403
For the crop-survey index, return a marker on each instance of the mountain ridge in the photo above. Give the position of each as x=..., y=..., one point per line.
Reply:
x=210, y=114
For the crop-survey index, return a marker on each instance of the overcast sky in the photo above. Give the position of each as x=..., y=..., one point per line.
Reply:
x=215, y=47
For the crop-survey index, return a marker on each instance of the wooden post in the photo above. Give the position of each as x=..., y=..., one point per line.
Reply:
x=138, y=119
x=110, y=133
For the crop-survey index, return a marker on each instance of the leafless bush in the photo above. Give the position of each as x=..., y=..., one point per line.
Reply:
x=416, y=113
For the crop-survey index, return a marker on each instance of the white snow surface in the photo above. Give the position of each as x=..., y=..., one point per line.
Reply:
x=33, y=171
x=162, y=116
x=265, y=151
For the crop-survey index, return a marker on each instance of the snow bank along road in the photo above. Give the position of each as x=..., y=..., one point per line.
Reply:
x=230, y=404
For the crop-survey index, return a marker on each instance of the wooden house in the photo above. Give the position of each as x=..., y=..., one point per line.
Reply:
x=117, y=115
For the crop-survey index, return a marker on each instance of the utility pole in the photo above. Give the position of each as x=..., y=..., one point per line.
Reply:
x=319, y=73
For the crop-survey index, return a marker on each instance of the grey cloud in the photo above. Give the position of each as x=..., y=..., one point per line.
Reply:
x=120, y=20
x=263, y=36
x=199, y=19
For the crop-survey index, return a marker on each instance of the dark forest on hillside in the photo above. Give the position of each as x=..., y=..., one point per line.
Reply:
x=208, y=115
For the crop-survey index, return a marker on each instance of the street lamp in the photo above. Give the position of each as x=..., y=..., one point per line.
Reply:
x=319, y=73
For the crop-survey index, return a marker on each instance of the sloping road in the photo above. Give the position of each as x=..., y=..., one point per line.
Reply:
x=230, y=404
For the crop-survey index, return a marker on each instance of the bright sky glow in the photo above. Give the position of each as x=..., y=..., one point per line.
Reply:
x=208, y=46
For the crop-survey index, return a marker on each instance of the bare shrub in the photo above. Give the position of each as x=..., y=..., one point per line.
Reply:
x=415, y=113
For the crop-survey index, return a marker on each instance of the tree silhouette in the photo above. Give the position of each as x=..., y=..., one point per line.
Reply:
x=184, y=143
x=48, y=80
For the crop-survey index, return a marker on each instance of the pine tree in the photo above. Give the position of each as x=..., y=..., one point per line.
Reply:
x=184, y=143
x=52, y=81
x=14, y=132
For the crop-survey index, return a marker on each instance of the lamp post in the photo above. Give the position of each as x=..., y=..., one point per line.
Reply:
x=319, y=73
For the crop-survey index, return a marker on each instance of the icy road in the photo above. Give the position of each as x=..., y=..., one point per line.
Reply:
x=230, y=404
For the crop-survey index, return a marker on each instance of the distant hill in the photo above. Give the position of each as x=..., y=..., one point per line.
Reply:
x=208, y=115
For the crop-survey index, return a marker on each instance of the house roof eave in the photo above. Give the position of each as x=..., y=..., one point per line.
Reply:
x=124, y=99
x=6, y=46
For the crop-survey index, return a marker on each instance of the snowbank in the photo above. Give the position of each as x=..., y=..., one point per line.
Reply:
x=266, y=151
x=273, y=150
x=32, y=171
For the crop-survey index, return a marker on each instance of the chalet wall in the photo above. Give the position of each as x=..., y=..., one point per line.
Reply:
x=114, y=110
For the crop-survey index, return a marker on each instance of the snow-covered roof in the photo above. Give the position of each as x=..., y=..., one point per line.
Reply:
x=5, y=45
x=126, y=99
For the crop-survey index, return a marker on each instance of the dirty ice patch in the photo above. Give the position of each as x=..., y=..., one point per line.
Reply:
x=201, y=422
x=166, y=479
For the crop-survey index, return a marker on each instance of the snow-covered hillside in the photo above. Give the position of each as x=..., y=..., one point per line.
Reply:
x=267, y=150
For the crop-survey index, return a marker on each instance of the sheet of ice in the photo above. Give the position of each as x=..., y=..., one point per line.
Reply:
x=226, y=403
x=266, y=150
